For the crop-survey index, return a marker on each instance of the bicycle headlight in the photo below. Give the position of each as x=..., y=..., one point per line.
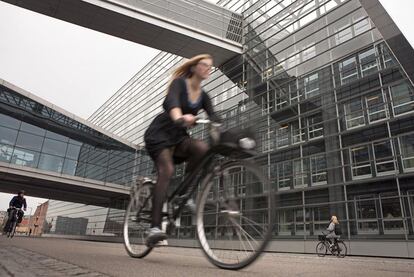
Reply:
x=247, y=143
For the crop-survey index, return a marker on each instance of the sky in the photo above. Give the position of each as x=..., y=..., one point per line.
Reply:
x=78, y=69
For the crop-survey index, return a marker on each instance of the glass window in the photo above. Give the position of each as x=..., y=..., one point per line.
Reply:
x=284, y=175
x=366, y=211
x=309, y=52
x=7, y=136
x=50, y=163
x=311, y=84
x=387, y=56
x=285, y=222
x=361, y=162
x=407, y=151
x=391, y=211
x=54, y=147
x=73, y=151
x=361, y=25
x=282, y=137
x=8, y=121
x=297, y=131
x=384, y=158
x=25, y=157
x=56, y=136
x=402, y=98
x=69, y=167
x=315, y=126
x=368, y=62
x=348, y=70
x=32, y=129
x=6, y=152
x=343, y=34
x=376, y=106
x=354, y=114
x=318, y=170
x=29, y=141
x=300, y=173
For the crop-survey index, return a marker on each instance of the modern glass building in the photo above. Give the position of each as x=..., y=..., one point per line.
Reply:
x=328, y=87
x=53, y=154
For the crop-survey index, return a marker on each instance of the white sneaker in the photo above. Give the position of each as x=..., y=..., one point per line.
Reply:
x=155, y=235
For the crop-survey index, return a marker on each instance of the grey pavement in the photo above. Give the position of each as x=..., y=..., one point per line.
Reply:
x=23, y=256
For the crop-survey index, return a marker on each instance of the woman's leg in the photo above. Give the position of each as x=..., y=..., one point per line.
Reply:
x=165, y=169
x=193, y=150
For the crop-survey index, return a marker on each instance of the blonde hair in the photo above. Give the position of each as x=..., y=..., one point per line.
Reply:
x=185, y=70
x=334, y=219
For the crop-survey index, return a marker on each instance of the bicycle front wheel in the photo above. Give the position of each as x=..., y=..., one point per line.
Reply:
x=137, y=221
x=321, y=249
x=235, y=212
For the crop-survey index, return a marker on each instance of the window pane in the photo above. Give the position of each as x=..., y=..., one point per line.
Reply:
x=384, y=159
x=348, y=70
x=69, y=167
x=8, y=121
x=361, y=26
x=56, y=136
x=402, y=98
x=7, y=136
x=376, y=106
x=318, y=165
x=25, y=157
x=29, y=141
x=311, y=85
x=368, y=61
x=285, y=175
x=54, y=147
x=354, y=114
x=6, y=152
x=50, y=163
x=407, y=151
x=283, y=136
x=73, y=151
x=32, y=129
x=361, y=164
x=343, y=34
x=315, y=126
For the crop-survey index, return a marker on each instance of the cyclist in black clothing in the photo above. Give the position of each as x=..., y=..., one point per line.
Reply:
x=19, y=202
x=169, y=143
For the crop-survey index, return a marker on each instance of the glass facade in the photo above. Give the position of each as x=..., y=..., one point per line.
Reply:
x=34, y=135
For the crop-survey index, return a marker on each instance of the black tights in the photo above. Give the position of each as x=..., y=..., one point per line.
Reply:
x=192, y=151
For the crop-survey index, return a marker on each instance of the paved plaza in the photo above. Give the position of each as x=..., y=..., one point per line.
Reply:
x=23, y=256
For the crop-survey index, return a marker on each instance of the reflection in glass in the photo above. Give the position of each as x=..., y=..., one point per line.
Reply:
x=32, y=129
x=9, y=122
x=69, y=167
x=6, y=152
x=51, y=163
x=29, y=141
x=402, y=98
x=7, y=136
x=54, y=147
x=25, y=157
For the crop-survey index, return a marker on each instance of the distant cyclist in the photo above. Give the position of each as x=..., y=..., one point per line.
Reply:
x=331, y=231
x=18, y=202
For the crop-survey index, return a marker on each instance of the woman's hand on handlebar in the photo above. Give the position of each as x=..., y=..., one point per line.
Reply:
x=187, y=120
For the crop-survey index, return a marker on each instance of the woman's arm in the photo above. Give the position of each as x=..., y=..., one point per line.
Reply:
x=208, y=107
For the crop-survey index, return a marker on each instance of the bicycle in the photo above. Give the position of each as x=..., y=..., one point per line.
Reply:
x=234, y=205
x=12, y=222
x=337, y=248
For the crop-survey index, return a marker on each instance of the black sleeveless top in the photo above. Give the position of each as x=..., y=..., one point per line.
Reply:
x=162, y=132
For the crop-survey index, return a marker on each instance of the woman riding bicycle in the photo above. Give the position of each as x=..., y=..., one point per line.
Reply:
x=167, y=140
x=331, y=230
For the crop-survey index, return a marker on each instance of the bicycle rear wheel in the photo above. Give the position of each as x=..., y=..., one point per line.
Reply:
x=321, y=249
x=341, y=249
x=234, y=215
x=137, y=221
